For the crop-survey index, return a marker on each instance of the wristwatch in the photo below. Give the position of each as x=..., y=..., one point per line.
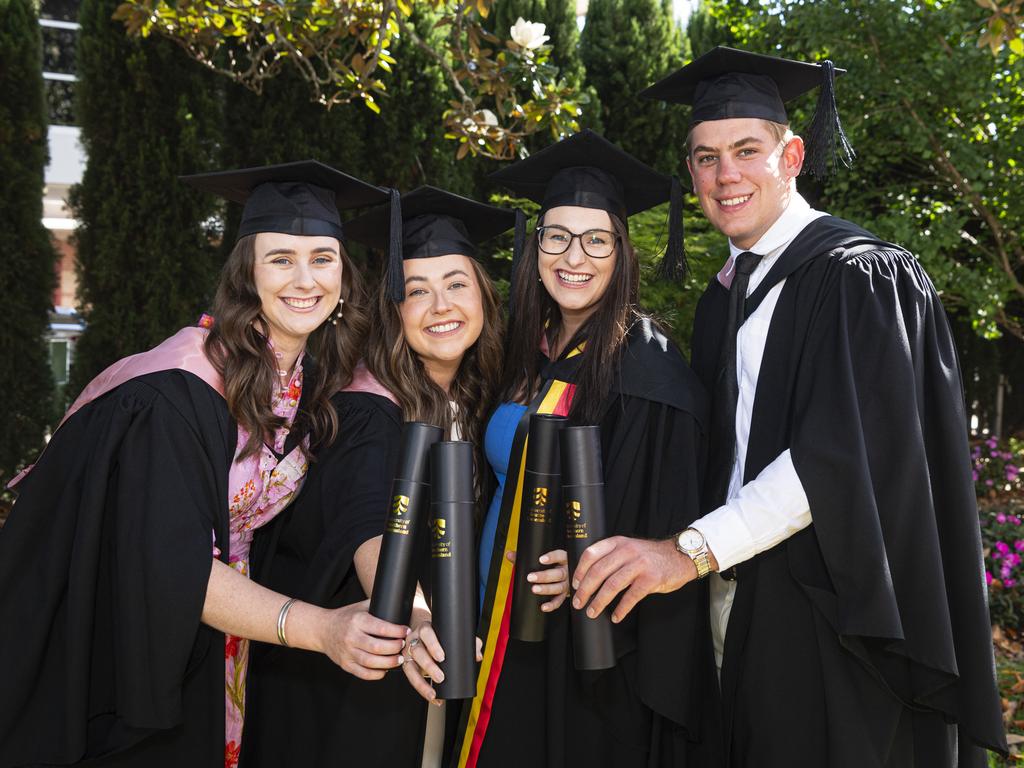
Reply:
x=692, y=543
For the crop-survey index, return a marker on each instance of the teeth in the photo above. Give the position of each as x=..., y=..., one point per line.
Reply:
x=569, y=277
x=444, y=327
x=735, y=200
x=301, y=303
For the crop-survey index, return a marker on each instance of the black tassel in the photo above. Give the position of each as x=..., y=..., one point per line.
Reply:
x=518, y=245
x=396, y=272
x=673, y=267
x=826, y=143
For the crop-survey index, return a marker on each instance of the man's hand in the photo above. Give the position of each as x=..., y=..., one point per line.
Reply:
x=639, y=566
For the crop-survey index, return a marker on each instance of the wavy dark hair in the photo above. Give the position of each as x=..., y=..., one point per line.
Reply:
x=237, y=347
x=395, y=365
x=536, y=313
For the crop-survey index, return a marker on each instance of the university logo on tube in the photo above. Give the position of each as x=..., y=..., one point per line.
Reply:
x=538, y=513
x=399, y=505
x=441, y=547
x=399, y=522
x=575, y=528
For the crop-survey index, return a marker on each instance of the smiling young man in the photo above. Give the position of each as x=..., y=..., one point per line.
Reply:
x=841, y=536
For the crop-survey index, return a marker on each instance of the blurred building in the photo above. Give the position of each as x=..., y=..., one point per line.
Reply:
x=59, y=27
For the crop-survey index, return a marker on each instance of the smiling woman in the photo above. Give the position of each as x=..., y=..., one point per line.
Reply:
x=136, y=522
x=580, y=346
x=434, y=356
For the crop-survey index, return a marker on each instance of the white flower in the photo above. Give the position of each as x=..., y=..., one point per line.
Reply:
x=482, y=117
x=527, y=34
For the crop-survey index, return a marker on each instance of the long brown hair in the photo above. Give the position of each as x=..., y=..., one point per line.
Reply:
x=604, y=332
x=395, y=365
x=237, y=347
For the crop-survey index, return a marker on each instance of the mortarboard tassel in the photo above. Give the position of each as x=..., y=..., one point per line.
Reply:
x=396, y=272
x=826, y=141
x=673, y=263
x=518, y=245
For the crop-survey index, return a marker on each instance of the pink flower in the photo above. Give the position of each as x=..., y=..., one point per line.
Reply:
x=988, y=578
x=1003, y=547
x=1019, y=545
x=1005, y=572
x=1000, y=518
x=1009, y=582
x=991, y=442
x=989, y=483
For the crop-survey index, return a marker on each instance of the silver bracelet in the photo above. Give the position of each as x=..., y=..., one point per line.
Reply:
x=282, y=617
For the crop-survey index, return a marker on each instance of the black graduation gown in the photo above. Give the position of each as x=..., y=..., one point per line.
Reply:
x=658, y=705
x=302, y=709
x=853, y=643
x=104, y=564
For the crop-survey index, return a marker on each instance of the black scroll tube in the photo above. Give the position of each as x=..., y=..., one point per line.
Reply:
x=537, y=523
x=583, y=501
x=452, y=563
x=394, y=586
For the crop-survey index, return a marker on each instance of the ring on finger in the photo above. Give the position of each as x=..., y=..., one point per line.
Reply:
x=413, y=643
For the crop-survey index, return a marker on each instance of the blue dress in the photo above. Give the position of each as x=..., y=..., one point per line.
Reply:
x=501, y=430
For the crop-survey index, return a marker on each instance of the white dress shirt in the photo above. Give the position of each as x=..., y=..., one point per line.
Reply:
x=772, y=506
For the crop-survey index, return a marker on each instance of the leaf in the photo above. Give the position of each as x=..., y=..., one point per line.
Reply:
x=463, y=151
x=1017, y=45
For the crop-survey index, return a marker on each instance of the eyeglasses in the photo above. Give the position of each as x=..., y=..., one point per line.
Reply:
x=596, y=243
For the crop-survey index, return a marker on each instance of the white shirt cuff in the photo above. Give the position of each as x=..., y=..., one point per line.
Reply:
x=767, y=510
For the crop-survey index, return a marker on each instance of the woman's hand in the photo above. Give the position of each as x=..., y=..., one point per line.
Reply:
x=423, y=651
x=361, y=644
x=552, y=581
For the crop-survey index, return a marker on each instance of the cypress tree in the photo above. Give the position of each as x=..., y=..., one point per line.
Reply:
x=27, y=267
x=625, y=46
x=147, y=114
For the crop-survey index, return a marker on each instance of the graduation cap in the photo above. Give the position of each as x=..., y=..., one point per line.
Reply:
x=433, y=223
x=301, y=198
x=728, y=83
x=589, y=171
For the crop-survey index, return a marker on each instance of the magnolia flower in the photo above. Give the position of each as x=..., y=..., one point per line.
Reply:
x=527, y=34
x=481, y=117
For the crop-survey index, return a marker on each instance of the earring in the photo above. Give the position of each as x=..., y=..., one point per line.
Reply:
x=337, y=315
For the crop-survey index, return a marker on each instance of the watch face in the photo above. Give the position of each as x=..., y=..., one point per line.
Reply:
x=691, y=540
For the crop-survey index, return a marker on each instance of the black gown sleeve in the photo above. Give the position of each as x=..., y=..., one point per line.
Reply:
x=104, y=564
x=880, y=445
x=654, y=456
x=301, y=708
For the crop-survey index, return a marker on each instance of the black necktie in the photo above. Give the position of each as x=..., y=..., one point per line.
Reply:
x=722, y=439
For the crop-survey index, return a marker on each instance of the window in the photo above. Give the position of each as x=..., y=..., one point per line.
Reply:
x=60, y=35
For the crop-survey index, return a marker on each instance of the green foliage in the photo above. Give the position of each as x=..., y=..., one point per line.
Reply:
x=559, y=19
x=673, y=304
x=626, y=45
x=939, y=132
x=404, y=146
x=501, y=89
x=147, y=115
x=26, y=270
